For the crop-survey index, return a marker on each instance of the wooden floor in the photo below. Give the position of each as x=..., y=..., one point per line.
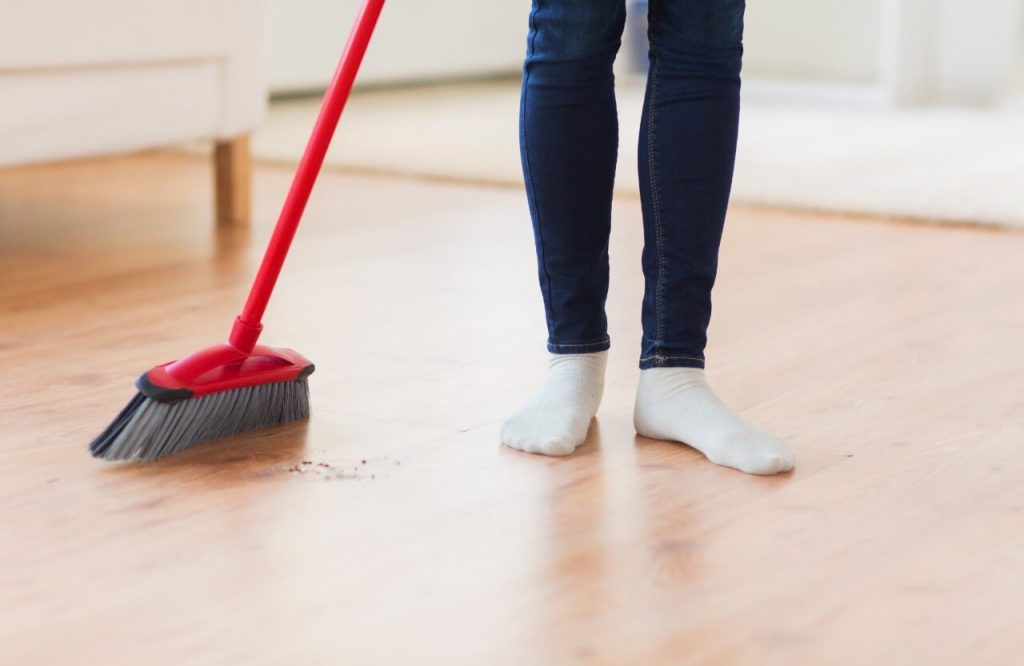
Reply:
x=392, y=528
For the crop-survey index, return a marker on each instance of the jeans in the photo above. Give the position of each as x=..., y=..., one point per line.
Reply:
x=569, y=140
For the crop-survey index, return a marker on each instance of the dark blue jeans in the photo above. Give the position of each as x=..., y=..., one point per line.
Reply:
x=569, y=140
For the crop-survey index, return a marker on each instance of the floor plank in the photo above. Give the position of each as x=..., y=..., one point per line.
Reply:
x=888, y=354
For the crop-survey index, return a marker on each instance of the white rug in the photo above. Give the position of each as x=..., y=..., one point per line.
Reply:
x=950, y=165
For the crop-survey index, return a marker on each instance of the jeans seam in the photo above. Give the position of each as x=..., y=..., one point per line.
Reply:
x=581, y=344
x=546, y=288
x=659, y=357
x=651, y=166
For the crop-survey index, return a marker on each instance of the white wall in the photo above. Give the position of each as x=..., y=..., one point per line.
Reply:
x=899, y=51
x=813, y=40
x=977, y=48
x=882, y=51
x=415, y=40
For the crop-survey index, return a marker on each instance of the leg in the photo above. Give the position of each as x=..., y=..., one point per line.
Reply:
x=568, y=141
x=687, y=152
x=232, y=179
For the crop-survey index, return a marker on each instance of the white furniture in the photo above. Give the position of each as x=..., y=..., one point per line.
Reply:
x=105, y=76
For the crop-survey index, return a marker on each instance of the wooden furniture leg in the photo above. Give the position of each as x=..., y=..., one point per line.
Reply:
x=232, y=181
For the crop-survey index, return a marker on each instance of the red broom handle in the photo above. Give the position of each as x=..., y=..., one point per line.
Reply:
x=248, y=324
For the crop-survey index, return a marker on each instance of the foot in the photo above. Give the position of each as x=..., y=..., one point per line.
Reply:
x=555, y=421
x=677, y=404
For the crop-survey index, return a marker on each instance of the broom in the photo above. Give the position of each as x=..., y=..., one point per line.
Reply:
x=239, y=385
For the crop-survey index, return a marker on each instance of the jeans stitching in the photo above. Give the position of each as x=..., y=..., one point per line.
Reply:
x=580, y=344
x=548, y=301
x=658, y=357
x=651, y=166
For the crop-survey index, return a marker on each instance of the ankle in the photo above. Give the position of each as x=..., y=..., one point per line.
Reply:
x=682, y=378
x=555, y=421
x=592, y=361
x=578, y=371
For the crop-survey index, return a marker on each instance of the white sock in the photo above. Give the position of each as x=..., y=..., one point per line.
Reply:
x=556, y=419
x=677, y=404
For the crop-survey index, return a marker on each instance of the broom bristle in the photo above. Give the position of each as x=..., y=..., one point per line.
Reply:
x=147, y=429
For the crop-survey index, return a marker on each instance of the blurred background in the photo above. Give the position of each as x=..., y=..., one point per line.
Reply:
x=901, y=108
x=905, y=108
x=874, y=51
